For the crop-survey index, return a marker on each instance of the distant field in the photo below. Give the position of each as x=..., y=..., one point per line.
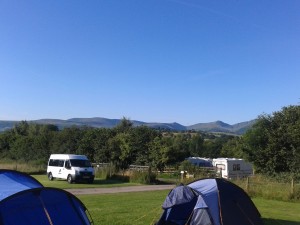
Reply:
x=144, y=208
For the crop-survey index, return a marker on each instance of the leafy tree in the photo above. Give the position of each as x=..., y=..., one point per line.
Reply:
x=233, y=148
x=6, y=140
x=22, y=149
x=140, y=139
x=196, y=145
x=67, y=140
x=273, y=144
x=124, y=125
x=120, y=151
x=21, y=128
x=100, y=144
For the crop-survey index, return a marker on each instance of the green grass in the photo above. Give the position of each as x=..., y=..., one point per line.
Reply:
x=144, y=208
x=137, y=208
x=278, y=212
x=98, y=183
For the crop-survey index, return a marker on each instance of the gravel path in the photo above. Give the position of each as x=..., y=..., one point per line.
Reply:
x=92, y=191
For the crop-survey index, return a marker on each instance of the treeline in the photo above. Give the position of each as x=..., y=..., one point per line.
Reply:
x=272, y=145
x=121, y=146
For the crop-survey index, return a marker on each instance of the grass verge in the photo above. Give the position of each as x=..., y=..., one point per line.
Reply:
x=144, y=208
x=98, y=183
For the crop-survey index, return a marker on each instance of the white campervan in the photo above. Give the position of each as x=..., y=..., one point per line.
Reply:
x=70, y=167
x=232, y=168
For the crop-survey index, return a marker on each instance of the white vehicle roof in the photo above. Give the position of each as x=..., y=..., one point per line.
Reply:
x=67, y=156
x=199, y=158
x=227, y=159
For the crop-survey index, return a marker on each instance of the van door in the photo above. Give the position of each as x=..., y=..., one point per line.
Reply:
x=67, y=169
x=60, y=168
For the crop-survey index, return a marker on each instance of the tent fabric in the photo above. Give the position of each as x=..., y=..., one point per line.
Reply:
x=201, y=217
x=210, y=193
x=180, y=195
x=12, y=182
x=236, y=206
x=35, y=204
x=218, y=202
x=179, y=204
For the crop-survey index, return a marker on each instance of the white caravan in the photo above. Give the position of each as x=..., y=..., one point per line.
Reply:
x=232, y=168
x=70, y=167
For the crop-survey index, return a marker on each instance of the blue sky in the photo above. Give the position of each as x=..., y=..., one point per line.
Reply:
x=185, y=61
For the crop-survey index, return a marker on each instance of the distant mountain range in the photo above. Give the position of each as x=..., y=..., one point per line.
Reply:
x=99, y=122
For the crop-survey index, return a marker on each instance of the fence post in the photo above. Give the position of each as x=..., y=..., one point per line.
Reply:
x=247, y=184
x=292, y=186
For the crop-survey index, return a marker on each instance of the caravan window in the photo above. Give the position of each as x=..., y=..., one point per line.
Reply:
x=236, y=167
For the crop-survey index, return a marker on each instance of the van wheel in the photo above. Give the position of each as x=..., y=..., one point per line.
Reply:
x=50, y=176
x=69, y=179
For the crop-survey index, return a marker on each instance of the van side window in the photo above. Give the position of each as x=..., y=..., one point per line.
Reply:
x=60, y=163
x=67, y=164
x=53, y=162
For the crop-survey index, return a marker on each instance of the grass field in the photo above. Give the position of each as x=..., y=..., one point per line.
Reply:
x=98, y=183
x=144, y=208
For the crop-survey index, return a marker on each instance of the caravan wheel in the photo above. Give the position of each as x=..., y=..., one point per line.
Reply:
x=69, y=179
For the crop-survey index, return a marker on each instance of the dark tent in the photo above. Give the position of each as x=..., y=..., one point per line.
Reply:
x=24, y=201
x=209, y=202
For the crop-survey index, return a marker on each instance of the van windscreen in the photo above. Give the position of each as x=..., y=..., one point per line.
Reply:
x=80, y=163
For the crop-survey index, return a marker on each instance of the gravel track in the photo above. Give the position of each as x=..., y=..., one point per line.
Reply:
x=92, y=191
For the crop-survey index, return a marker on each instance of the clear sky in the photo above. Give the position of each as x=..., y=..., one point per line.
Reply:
x=185, y=61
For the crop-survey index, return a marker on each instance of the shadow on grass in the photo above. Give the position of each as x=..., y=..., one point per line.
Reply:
x=161, y=181
x=279, y=222
x=109, y=181
x=167, y=181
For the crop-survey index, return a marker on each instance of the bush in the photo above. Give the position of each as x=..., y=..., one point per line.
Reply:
x=105, y=172
x=142, y=177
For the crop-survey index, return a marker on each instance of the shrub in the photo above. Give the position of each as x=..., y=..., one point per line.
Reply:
x=142, y=177
x=105, y=172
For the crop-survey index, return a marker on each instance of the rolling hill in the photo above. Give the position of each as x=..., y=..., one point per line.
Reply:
x=99, y=122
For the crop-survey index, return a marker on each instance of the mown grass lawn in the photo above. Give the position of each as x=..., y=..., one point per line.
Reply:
x=98, y=183
x=144, y=208
x=278, y=212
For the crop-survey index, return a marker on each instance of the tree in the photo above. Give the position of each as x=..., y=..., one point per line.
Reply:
x=100, y=144
x=196, y=145
x=67, y=141
x=120, y=152
x=21, y=128
x=22, y=149
x=232, y=148
x=124, y=125
x=140, y=139
x=273, y=143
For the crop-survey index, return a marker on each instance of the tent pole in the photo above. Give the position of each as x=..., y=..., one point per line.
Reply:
x=46, y=211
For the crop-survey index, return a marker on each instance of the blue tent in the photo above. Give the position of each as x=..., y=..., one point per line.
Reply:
x=25, y=201
x=209, y=202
